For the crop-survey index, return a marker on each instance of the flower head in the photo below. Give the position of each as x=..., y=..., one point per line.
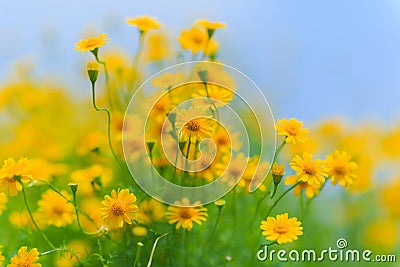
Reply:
x=194, y=125
x=312, y=172
x=282, y=229
x=341, y=168
x=55, y=209
x=210, y=25
x=292, y=130
x=118, y=208
x=194, y=39
x=143, y=23
x=92, y=43
x=278, y=170
x=25, y=258
x=12, y=173
x=185, y=216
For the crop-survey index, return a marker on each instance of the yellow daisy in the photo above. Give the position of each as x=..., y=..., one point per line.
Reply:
x=55, y=209
x=25, y=258
x=11, y=172
x=341, y=168
x=214, y=95
x=150, y=211
x=282, y=229
x=194, y=125
x=312, y=172
x=309, y=190
x=210, y=25
x=118, y=208
x=92, y=43
x=185, y=216
x=292, y=130
x=143, y=23
x=193, y=39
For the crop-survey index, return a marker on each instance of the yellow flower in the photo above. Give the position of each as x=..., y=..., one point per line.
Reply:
x=310, y=190
x=25, y=258
x=212, y=47
x=210, y=25
x=139, y=231
x=312, y=172
x=21, y=219
x=156, y=46
x=292, y=130
x=45, y=170
x=1, y=256
x=193, y=125
x=92, y=43
x=150, y=211
x=193, y=39
x=77, y=250
x=3, y=201
x=168, y=80
x=118, y=208
x=11, y=172
x=143, y=23
x=91, y=179
x=282, y=229
x=55, y=209
x=214, y=95
x=341, y=169
x=185, y=216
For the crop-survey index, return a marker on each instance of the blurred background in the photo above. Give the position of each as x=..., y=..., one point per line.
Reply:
x=313, y=59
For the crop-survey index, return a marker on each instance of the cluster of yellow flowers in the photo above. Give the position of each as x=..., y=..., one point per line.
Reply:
x=78, y=185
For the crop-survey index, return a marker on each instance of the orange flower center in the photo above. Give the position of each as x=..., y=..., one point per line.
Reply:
x=186, y=213
x=58, y=209
x=117, y=209
x=193, y=125
x=293, y=131
x=340, y=170
x=309, y=168
x=10, y=179
x=281, y=228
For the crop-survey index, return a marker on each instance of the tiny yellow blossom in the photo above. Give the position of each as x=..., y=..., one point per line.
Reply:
x=13, y=173
x=92, y=43
x=118, y=208
x=292, y=130
x=312, y=172
x=143, y=23
x=210, y=25
x=55, y=209
x=193, y=39
x=185, y=216
x=341, y=168
x=25, y=258
x=282, y=229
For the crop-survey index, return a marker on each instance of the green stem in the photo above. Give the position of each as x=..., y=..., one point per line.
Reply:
x=107, y=79
x=137, y=255
x=281, y=196
x=278, y=151
x=215, y=227
x=186, y=241
x=154, y=248
x=33, y=220
x=187, y=158
x=108, y=124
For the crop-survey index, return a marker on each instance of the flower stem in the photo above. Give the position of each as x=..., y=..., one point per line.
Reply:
x=281, y=196
x=108, y=124
x=33, y=220
x=154, y=248
x=106, y=78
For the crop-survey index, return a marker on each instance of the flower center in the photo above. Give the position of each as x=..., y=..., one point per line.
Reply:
x=117, y=209
x=58, y=209
x=340, y=170
x=10, y=179
x=25, y=263
x=281, y=228
x=309, y=168
x=193, y=125
x=186, y=213
x=292, y=131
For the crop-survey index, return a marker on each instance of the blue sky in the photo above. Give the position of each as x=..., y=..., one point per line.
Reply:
x=313, y=59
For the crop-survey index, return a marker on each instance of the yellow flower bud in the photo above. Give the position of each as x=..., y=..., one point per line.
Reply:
x=93, y=70
x=278, y=170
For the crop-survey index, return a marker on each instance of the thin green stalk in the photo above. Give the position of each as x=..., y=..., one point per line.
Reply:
x=108, y=124
x=186, y=241
x=278, y=151
x=154, y=248
x=281, y=196
x=187, y=158
x=137, y=256
x=33, y=220
x=106, y=78
x=215, y=227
